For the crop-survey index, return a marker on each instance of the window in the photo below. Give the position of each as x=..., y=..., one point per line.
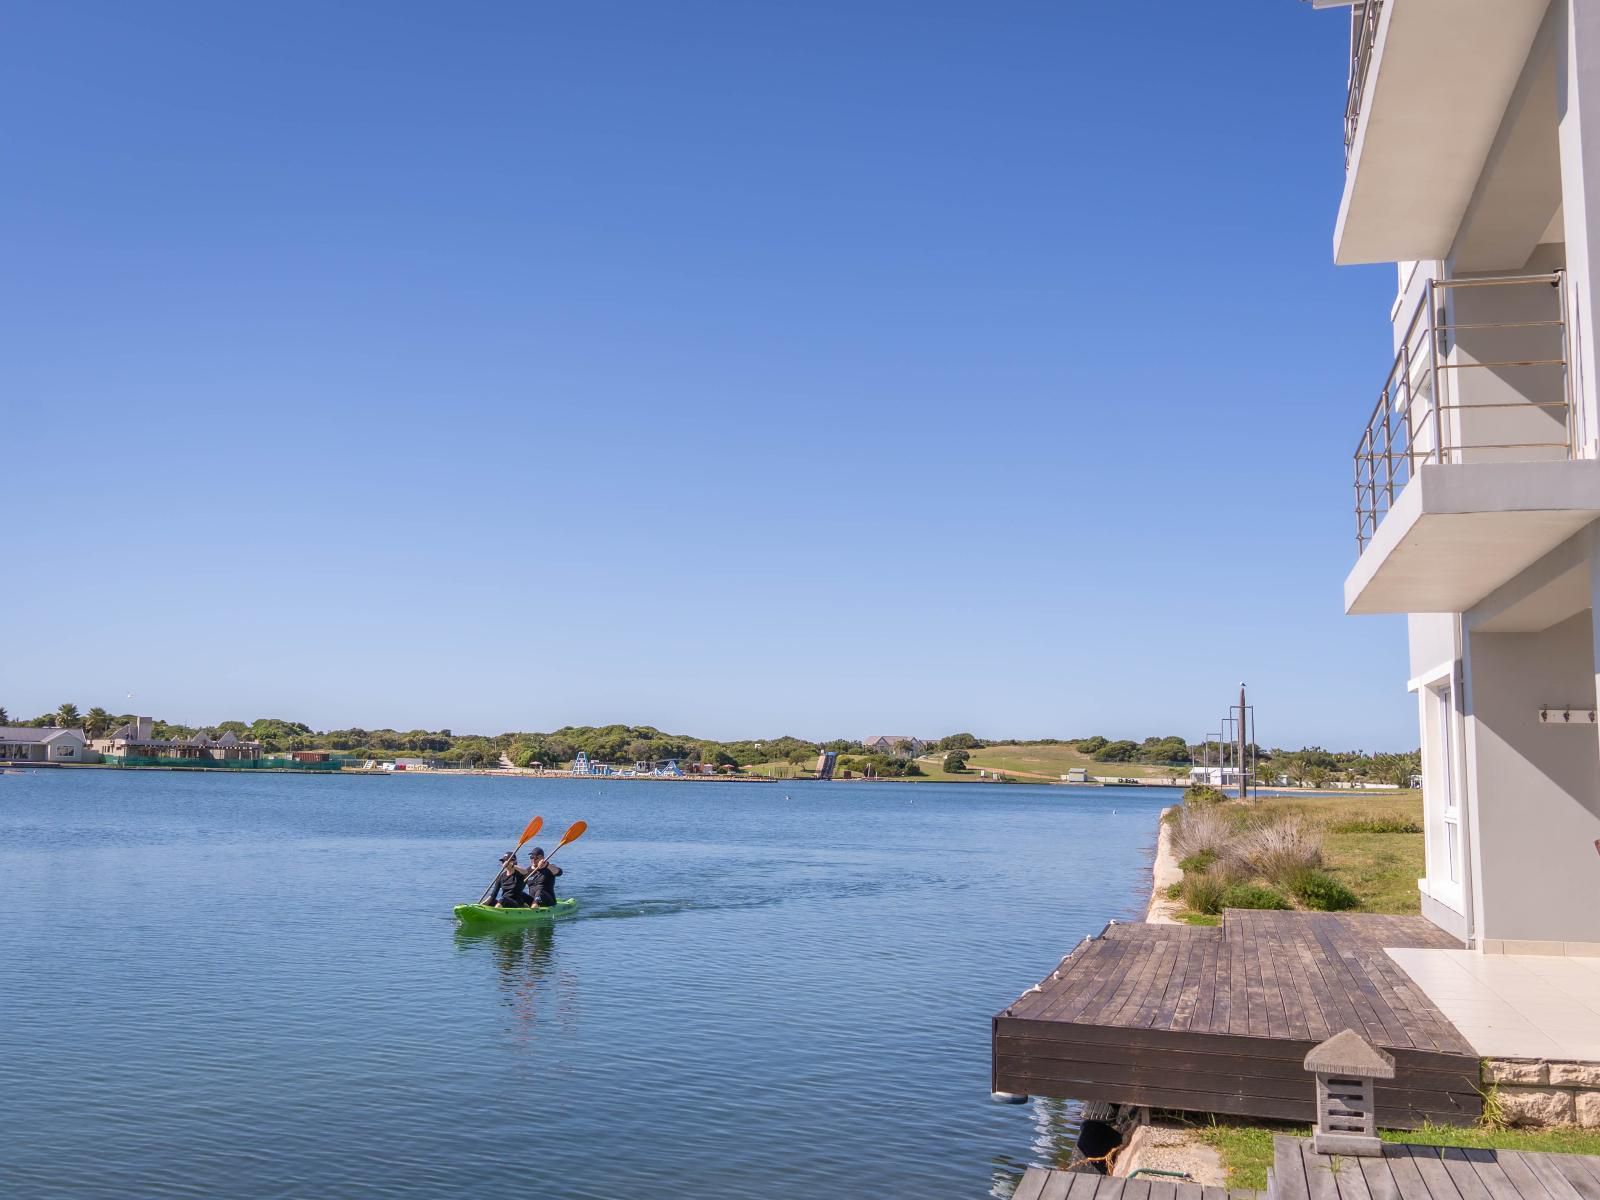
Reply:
x=1444, y=799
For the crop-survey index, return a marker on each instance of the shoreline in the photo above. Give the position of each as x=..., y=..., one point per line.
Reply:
x=1164, y=872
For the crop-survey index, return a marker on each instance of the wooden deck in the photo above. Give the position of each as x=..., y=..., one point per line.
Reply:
x=1430, y=1173
x=1220, y=1019
x=1041, y=1183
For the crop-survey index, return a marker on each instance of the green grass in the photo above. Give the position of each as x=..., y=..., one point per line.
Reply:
x=1052, y=762
x=1382, y=869
x=1246, y=1149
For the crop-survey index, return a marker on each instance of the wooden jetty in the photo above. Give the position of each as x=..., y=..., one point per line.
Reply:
x=1406, y=1172
x=1042, y=1183
x=1220, y=1019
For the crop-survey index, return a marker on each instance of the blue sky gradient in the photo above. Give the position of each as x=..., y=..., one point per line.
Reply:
x=736, y=367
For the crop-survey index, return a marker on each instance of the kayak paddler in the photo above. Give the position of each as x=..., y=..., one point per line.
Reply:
x=540, y=878
x=511, y=888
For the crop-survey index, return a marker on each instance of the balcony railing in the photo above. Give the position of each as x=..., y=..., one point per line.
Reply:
x=1464, y=389
x=1363, y=34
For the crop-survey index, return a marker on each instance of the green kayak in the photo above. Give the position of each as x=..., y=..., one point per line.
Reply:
x=482, y=914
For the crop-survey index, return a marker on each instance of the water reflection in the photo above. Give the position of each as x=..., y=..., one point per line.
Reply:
x=528, y=972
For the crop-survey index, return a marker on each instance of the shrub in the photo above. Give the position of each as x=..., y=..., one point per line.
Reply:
x=1203, y=893
x=1199, y=830
x=1174, y=890
x=1378, y=825
x=955, y=762
x=1278, y=849
x=1251, y=895
x=1198, y=862
x=1200, y=795
x=1321, y=891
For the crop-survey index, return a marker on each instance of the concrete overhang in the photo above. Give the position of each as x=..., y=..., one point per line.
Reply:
x=1456, y=533
x=1438, y=82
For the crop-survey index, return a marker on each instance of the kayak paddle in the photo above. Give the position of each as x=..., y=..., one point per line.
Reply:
x=574, y=831
x=527, y=835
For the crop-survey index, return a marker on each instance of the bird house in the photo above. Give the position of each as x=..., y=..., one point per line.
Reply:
x=1347, y=1067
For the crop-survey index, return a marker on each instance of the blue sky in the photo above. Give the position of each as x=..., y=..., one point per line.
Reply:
x=736, y=367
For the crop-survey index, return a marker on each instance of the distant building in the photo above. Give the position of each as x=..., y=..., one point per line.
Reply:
x=26, y=744
x=1076, y=775
x=137, y=739
x=1216, y=777
x=897, y=745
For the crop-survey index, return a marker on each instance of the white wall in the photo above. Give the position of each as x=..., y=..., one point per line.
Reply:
x=1535, y=789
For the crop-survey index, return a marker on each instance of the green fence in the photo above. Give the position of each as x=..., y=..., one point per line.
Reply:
x=230, y=764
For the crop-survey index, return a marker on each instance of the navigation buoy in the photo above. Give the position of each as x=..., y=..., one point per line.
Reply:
x=1009, y=1097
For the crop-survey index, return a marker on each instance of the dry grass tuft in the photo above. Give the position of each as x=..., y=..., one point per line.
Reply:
x=1278, y=850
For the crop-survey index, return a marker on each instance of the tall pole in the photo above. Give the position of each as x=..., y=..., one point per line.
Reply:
x=1242, y=735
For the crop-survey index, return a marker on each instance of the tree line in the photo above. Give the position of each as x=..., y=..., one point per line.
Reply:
x=629, y=744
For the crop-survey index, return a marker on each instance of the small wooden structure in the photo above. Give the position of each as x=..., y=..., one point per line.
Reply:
x=1347, y=1112
x=1220, y=1020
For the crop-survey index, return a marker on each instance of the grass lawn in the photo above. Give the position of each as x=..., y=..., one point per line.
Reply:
x=1246, y=1150
x=1052, y=762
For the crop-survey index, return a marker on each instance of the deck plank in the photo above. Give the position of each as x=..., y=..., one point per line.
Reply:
x=1527, y=1182
x=1435, y=1177
x=1288, y=1170
x=1032, y=1185
x=1460, y=1170
x=1556, y=1183
x=1320, y=1182
x=1583, y=1181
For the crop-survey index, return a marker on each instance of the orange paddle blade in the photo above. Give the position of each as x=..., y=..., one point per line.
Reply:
x=527, y=834
x=574, y=831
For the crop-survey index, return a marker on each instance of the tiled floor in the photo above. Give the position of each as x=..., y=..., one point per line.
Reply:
x=1514, y=1005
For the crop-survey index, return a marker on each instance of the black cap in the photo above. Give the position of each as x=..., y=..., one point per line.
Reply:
x=536, y=852
x=509, y=856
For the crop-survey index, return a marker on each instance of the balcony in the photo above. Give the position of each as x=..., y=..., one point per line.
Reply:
x=1468, y=471
x=1432, y=85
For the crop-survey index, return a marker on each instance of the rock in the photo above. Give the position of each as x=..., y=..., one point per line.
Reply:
x=1588, y=1106
x=1575, y=1074
x=1506, y=1070
x=1536, y=1106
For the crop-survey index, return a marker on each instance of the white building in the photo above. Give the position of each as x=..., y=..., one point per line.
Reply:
x=1216, y=777
x=1473, y=149
x=27, y=744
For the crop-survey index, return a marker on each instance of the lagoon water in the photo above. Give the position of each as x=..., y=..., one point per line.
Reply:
x=252, y=986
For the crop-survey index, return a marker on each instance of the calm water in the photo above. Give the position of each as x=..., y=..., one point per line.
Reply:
x=253, y=986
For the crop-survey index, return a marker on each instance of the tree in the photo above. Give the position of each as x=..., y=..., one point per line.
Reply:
x=1092, y=745
x=958, y=741
x=97, y=723
x=5, y=717
x=67, y=716
x=955, y=762
x=1122, y=751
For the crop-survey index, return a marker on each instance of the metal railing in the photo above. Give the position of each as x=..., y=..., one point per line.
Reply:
x=1363, y=34
x=1425, y=415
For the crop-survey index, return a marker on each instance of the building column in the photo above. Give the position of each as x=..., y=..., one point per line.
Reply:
x=1578, y=112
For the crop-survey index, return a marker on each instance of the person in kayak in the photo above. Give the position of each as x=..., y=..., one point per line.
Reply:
x=511, y=889
x=541, y=878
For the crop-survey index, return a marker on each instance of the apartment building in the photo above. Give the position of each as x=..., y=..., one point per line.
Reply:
x=1472, y=145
